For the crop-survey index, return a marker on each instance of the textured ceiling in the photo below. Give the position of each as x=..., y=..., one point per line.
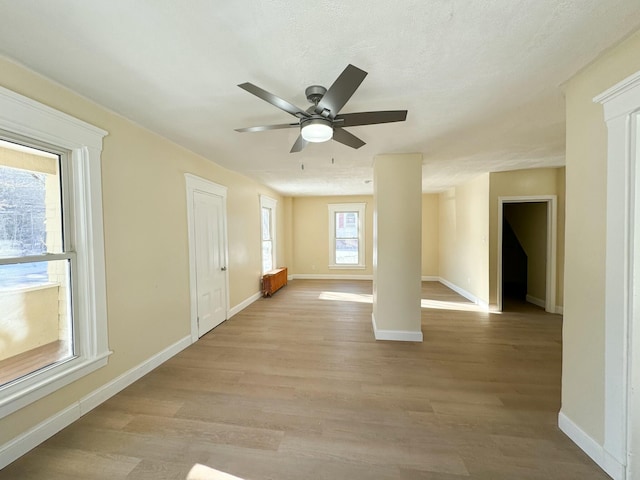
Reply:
x=481, y=79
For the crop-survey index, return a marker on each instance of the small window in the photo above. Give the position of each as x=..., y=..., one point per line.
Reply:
x=268, y=224
x=346, y=235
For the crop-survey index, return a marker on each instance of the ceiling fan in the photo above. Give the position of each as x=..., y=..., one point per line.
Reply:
x=323, y=121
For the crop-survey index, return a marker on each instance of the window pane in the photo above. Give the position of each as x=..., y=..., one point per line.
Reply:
x=346, y=224
x=347, y=252
x=36, y=322
x=266, y=224
x=267, y=255
x=30, y=206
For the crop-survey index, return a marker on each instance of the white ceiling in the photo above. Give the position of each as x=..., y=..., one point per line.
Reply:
x=480, y=79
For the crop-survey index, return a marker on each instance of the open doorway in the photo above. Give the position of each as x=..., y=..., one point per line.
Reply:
x=526, y=251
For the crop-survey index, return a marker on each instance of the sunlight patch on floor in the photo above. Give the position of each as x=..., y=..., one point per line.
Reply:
x=346, y=297
x=202, y=472
x=458, y=306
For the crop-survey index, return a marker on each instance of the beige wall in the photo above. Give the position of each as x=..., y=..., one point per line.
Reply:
x=562, y=202
x=463, y=236
x=583, y=332
x=310, y=235
x=539, y=181
x=397, y=195
x=146, y=249
x=307, y=234
x=529, y=223
x=430, y=234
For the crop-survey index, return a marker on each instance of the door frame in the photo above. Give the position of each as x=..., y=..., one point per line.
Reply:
x=198, y=184
x=552, y=213
x=619, y=455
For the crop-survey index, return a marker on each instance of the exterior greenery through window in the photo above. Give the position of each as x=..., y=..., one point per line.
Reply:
x=346, y=235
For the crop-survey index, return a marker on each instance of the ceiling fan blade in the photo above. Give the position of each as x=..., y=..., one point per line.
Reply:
x=274, y=100
x=262, y=128
x=346, y=138
x=299, y=145
x=341, y=91
x=370, y=118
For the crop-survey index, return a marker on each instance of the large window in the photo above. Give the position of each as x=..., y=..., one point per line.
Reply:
x=346, y=235
x=53, y=324
x=268, y=228
x=36, y=261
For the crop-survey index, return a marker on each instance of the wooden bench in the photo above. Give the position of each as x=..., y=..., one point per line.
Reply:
x=273, y=281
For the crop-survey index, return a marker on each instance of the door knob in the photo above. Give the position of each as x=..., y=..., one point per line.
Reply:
x=223, y=269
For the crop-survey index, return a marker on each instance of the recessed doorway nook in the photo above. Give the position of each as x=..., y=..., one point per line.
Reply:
x=550, y=201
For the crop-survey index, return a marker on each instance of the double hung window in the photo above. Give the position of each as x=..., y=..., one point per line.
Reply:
x=53, y=323
x=346, y=235
x=268, y=228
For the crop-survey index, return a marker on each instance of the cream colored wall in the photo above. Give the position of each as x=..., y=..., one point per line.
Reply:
x=397, y=202
x=310, y=235
x=584, y=302
x=529, y=223
x=560, y=246
x=146, y=249
x=539, y=181
x=463, y=236
x=430, y=234
x=287, y=231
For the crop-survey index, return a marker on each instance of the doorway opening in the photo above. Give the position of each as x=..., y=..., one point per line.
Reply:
x=527, y=252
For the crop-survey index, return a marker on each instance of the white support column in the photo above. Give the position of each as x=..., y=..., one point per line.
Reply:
x=397, y=247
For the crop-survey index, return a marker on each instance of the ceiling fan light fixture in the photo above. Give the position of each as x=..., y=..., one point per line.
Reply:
x=316, y=130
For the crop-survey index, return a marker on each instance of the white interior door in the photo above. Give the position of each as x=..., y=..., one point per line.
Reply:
x=210, y=260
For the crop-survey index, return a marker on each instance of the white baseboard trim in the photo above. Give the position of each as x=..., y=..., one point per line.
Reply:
x=559, y=309
x=469, y=296
x=14, y=449
x=396, y=335
x=593, y=449
x=243, y=304
x=330, y=276
x=30, y=439
x=536, y=301
x=430, y=278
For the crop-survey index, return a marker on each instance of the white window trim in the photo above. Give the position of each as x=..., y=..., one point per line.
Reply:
x=272, y=204
x=21, y=116
x=346, y=207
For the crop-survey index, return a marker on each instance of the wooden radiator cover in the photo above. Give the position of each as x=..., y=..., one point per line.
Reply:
x=273, y=281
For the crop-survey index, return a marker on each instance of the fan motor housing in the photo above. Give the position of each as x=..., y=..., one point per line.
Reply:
x=315, y=93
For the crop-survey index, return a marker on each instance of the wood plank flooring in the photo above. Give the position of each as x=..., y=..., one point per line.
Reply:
x=295, y=387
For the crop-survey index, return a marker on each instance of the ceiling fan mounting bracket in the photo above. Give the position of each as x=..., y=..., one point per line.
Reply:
x=315, y=93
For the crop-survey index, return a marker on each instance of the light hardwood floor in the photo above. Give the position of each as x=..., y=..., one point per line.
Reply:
x=295, y=387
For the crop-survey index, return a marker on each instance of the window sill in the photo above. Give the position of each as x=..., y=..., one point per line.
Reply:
x=22, y=392
x=347, y=267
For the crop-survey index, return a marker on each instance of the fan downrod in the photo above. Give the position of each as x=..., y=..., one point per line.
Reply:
x=315, y=93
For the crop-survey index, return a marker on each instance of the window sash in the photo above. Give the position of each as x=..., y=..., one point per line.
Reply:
x=30, y=123
x=267, y=231
x=343, y=231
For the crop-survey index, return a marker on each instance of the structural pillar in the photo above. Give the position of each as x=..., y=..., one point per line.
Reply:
x=397, y=247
